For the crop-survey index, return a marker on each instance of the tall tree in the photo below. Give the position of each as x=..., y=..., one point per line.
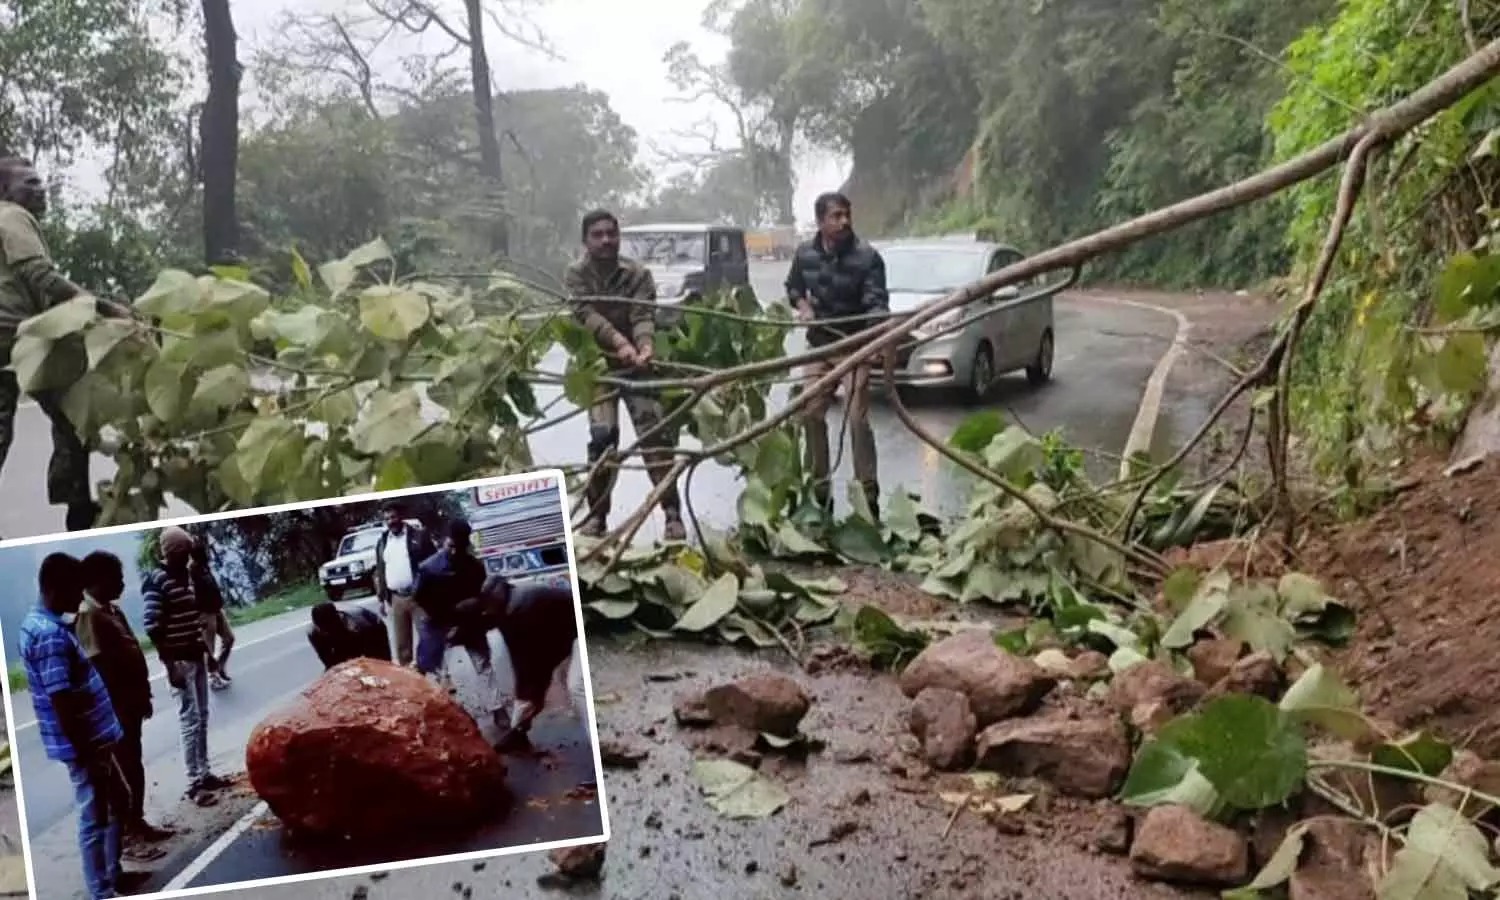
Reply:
x=220, y=132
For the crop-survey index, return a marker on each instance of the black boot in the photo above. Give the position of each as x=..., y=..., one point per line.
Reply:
x=82, y=516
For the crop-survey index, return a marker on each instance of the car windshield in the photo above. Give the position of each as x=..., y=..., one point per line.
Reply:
x=359, y=541
x=665, y=248
x=928, y=270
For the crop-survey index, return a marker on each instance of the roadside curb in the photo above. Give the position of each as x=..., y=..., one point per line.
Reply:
x=1148, y=413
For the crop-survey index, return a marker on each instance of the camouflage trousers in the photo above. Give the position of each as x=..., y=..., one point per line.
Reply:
x=646, y=412
x=861, y=436
x=68, y=469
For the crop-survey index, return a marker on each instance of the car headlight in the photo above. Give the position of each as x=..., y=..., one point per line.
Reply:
x=357, y=567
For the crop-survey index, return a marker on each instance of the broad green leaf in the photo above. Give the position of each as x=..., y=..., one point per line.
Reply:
x=796, y=543
x=717, y=602
x=221, y=388
x=859, y=540
x=340, y=274
x=48, y=365
x=1014, y=455
x=102, y=339
x=168, y=390
x=976, y=432
x=1200, y=612
x=1445, y=855
x=1163, y=775
x=68, y=317
x=737, y=791
x=175, y=295
x=392, y=313
x=1467, y=282
x=307, y=327
x=390, y=421
x=300, y=272
x=267, y=450
x=901, y=517
x=395, y=473
x=1300, y=595
x=1463, y=363
x=1321, y=698
x=1252, y=614
x=1253, y=755
x=757, y=505
x=1420, y=752
x=776, y=458
x=889, y=645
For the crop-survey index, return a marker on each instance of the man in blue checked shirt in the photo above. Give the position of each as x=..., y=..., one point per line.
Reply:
x=78, y=726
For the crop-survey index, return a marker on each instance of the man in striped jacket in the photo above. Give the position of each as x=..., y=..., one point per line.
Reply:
x=174, y=623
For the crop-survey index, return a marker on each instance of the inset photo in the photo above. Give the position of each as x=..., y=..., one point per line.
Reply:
x=302, y=691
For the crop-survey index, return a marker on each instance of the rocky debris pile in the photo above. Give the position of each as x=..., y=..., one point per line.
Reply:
x=373, y=750
x=1051, y=723
x=745, y=718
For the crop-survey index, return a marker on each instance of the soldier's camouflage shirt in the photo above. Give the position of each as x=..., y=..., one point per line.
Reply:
x=607, y=321
x=21, y=241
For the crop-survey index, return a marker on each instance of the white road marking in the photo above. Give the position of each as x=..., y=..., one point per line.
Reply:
x=162, y=676
x=216, y=849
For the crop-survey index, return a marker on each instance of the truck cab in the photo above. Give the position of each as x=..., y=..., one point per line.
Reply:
x=521, y=531
x=688, y=261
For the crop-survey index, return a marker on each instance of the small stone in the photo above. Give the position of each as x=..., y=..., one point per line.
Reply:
x=998, y=684
x=1154, y=682
x=581, y=863
x=1090, y=665
x=1080, y=757
x=766, y=703
x=942, y=720
x=1113, y=833
x=691, y=710
x=1332, y=865
x=1175, y=844
x=1213, y=659
x=1256, y=674
x=752, y=867
x=616, y=754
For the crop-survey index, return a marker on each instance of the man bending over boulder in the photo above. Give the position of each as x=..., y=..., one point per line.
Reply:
x=340, y=636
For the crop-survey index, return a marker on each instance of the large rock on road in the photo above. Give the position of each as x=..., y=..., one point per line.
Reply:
x=373, y=750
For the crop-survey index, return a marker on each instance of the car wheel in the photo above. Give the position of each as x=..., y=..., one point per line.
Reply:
x=1040, y=371
x=981, y=373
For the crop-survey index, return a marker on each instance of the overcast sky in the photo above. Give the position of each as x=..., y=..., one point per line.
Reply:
x=610, y=46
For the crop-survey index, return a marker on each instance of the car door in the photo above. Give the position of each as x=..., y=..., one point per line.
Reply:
x=1005, y=324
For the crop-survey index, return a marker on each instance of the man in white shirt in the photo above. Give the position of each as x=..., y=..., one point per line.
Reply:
x=396, y=564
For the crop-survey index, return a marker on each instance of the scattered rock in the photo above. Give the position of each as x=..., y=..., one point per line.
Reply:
x=574, y=864
x=998, y=684
x=1150, y=717
x=1113, y=833
x=942, y=720
x=663, y=677
x=1333, y=864
x=1213, y=659
x=373, y=749
x=1256, y=674
x=833, y=658
x=1154, y=682
x=770, y=703
x=616, y=754
x=1173, y=843
x=1090, y=665
x=836, y=834
x=691, y=710
x=1081, y=757
x=1472, y=771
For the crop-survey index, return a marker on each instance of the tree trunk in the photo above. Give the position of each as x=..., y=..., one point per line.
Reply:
x=220, y=136
x=484, y=120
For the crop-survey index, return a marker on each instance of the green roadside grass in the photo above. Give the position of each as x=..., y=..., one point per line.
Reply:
x=300, y=597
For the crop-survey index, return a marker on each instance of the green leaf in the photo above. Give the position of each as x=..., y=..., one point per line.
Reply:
x=221, y=388
x=888, y=644
x=1180, y=587
x=42, y=365
x=300, y=272
x=859, y=540
x=757, y=505
x=390, y=421
x=267, y=452
x=615, y=610
x=1279, y=868
x=68, y=317
x=976, y=432
x=1321, y=698
x=737, y=791
x=308, y=327
x=902, y=517
x=796, y=543
x=340, y=274
x=1253, y=755
x=1200, y=612
x=1419, y=752
x=1445, y=855
x=776, y=458
x=1463, y=364
x=717, y=602
x=1300, y=595
x=102, y=339
x=174, y=296
x=1163, y=775
x=1466, y=282
x=1253, y=615
x=1014, y=455
x=168, y=389
x=392, y=313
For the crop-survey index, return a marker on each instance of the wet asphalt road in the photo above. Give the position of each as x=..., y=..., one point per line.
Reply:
x=272, y=661
x=1104, y=356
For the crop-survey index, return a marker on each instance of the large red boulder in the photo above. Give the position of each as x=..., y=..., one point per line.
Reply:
x=371, y=750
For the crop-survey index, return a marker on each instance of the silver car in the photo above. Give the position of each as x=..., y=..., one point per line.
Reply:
x=1017, y=335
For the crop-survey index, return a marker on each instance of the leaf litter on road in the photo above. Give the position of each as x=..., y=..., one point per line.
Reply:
x=737, y=791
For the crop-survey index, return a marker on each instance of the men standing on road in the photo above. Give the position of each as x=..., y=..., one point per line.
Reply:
x=836, y=275
x=30, y=284
x=111, y=645
x=174, y=622
x=626, y=332
x=396, y=576
x=76, y=722
x=338, y=636
x=216, y=628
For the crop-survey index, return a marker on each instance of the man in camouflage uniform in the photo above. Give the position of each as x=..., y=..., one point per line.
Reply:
x=30, y=284
x=627, y=333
